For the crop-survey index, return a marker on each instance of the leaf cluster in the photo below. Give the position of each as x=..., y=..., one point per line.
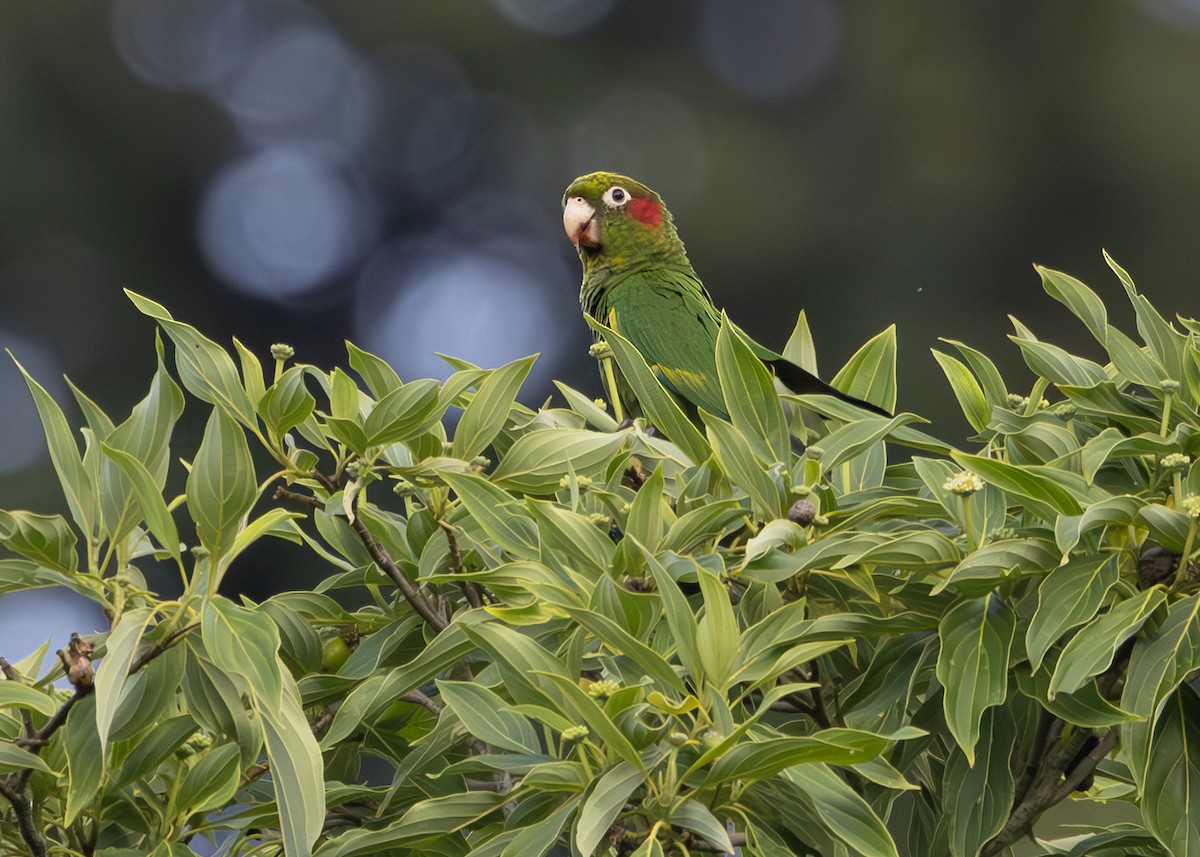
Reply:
x=799, y=630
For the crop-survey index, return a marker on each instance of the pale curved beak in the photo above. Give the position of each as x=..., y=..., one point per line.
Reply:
x=579, y=220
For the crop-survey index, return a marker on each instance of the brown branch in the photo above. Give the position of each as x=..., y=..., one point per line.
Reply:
x=161, y=646
x=418, y=698
x=470, y=589
x=411, y=594
x=23, y=808
x=377, y=551
x=695, y=843
x=1048, y=786
x=308, y=500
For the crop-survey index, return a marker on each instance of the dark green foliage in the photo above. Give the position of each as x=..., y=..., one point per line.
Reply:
x=562, y=634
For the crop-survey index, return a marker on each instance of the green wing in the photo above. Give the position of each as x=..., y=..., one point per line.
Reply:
x=669, y=318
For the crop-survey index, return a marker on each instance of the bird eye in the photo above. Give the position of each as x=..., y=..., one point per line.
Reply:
x=616, y=196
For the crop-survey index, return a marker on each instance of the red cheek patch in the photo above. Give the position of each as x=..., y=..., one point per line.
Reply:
x=645, y=210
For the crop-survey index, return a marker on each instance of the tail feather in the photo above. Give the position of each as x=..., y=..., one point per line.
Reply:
x=802, y=381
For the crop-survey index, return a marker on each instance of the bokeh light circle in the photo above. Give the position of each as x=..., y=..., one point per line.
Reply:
x=282, y=221
x=555, y=17
x=303, y=82
x=472, y=300
x=191, y=44
x=770, y=50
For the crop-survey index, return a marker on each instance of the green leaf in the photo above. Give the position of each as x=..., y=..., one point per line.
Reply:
x=845, y=814
x=680, y=618
x=997, y=561
x=64, y=455
x=1165, y=342
x=648, y=512
x=800, y=348
x=488, y=717
x=1084, y=707
x=150, y=500
x=1090, y=651
x=761, y=760
x=972, y=665
x=979, y=795
x=1040, y=495
x=380, y=378
x=286, y=403
x=14, y=695
x=736, y=457
x=110, y=678
x=694, y=816
x=717, y=636
x=85, y=760
x=985, y=370
x=581, y=542
x=1135, y=362
x=212, y=781
x=661, y=408
x=537, y=462
x=14, y=758
x=1069, y=596
x=1079, y=299
x=596, y=417
x=46, y=539
x=496, y=511
x=244, y=642
x=750, y=397
x=1057, y=365
x=206, y=369
x=624, y=645
x=404, y=413
x=150, y=750
x=484, y=418
x=297, y=773
x=1173, y=776
x=870, y=374
x=425, y=819
x=1158, y=664
x=534, y=840
x=221, y=486
x=1169, y=527
x=602, y=806
x=974, y=404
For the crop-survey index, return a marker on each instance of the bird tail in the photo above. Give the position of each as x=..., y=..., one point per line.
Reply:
x=802, y=381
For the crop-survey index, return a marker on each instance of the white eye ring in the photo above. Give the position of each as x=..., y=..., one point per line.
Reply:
x=616, y=197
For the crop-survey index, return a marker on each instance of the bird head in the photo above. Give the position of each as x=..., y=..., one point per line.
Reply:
x=612, y=219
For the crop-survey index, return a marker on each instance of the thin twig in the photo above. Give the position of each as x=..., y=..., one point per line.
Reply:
x=470, y=589
x=384, y=560
x=737, y=840
x=378, y=553
x=418, y=698
x=161, y=646
x=308, y=500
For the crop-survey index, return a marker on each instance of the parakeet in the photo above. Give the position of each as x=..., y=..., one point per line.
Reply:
x=637, y=280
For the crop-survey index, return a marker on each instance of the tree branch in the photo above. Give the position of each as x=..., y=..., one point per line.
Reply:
x=378, y=553
x=470, y=589
x=411, y=594
x=23, y=808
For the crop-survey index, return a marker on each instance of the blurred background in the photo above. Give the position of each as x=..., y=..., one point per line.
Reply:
x=390, y=173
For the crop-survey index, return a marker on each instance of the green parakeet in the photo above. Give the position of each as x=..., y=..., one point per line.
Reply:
x=638, y=281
